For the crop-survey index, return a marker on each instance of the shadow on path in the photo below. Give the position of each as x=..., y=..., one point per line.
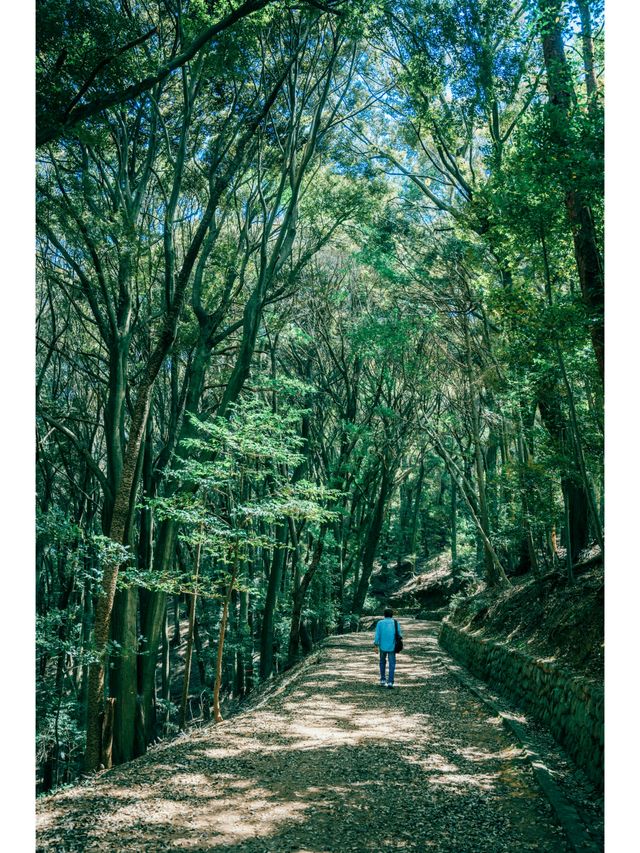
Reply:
x=331, y=764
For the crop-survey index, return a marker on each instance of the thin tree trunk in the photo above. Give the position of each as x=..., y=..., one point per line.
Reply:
x=416, y=509
x=593, y=508
x=587, y=53
x=454, y=524
x=153, y=630
x=197, y=642
x=300, y=593
x=165, y=670
x=491, y=568
x=522, y=459
x=217, y=716
x=271, y=599
x=370, y=545
x=456, y=474
x=572, y=489
x=192, y=619
x=241, y=683
x=567, y=522
x=106, y=739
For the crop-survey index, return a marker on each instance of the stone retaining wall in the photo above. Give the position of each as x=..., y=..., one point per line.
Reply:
x=572, y=708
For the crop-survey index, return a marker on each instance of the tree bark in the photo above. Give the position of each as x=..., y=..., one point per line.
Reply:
x=371, y=544
x=587, y=53
x=192, y=619
x=576, y=499
x=454, y=523
x=271, y=599
x=123, y=681
x=299, y=595
x=217, y=716
x=106, y=733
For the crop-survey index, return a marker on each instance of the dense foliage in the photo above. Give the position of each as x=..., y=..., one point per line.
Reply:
x=319, y=290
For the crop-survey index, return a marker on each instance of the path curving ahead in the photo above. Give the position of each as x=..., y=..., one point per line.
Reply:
x=331, y=763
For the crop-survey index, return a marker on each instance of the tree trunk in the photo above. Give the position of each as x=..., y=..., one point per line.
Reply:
x=243, y=647
x=175, y=636
x=371, y=543
x=165, y=671
x=271, y=599
x=299, y=595
x=467, y=492
x=585, y=243
x=153, y=629
x=528, y=559
x=577, y=514
x=123, y=676
x=197, y=642
x=114, y=423
x=587, y=53
x=87, y=615
x=122, y=507
x=217, y=716
x=576, y=499
x=569, y=536
x=106, y=734
x=192, y=620
x=579, y=455
x=454, y=524
x=413, y=532
x=249, y=673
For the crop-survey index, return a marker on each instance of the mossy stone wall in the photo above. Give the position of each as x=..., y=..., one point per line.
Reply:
x=571, y=707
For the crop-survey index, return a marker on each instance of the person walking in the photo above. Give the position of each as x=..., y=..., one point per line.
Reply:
x=385, y=641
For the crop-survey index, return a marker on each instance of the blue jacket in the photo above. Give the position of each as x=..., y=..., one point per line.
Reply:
x=385, y=636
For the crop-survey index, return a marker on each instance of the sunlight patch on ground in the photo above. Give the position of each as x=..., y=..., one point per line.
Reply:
x=191, y=779
x=48, y=818
x=433, y=762
x=158, y=810
x=256, y=817
x=473, y=753
x=250, y=812
x=242, y=784
x=218, y=753
x=515, y=782
x=311, y=765
x=457, y=781
x=519, y=718
x=115, y=792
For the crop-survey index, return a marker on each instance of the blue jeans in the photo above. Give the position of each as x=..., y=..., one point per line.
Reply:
x=383, y=665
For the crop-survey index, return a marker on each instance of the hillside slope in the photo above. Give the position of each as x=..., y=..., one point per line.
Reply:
x=546, y=617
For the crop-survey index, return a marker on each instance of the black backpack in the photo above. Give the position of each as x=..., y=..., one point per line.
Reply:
x=399, y=644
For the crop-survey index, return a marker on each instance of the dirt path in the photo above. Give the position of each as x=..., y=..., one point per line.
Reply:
x=331, y=763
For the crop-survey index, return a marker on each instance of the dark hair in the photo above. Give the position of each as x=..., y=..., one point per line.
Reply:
x=388, y=611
